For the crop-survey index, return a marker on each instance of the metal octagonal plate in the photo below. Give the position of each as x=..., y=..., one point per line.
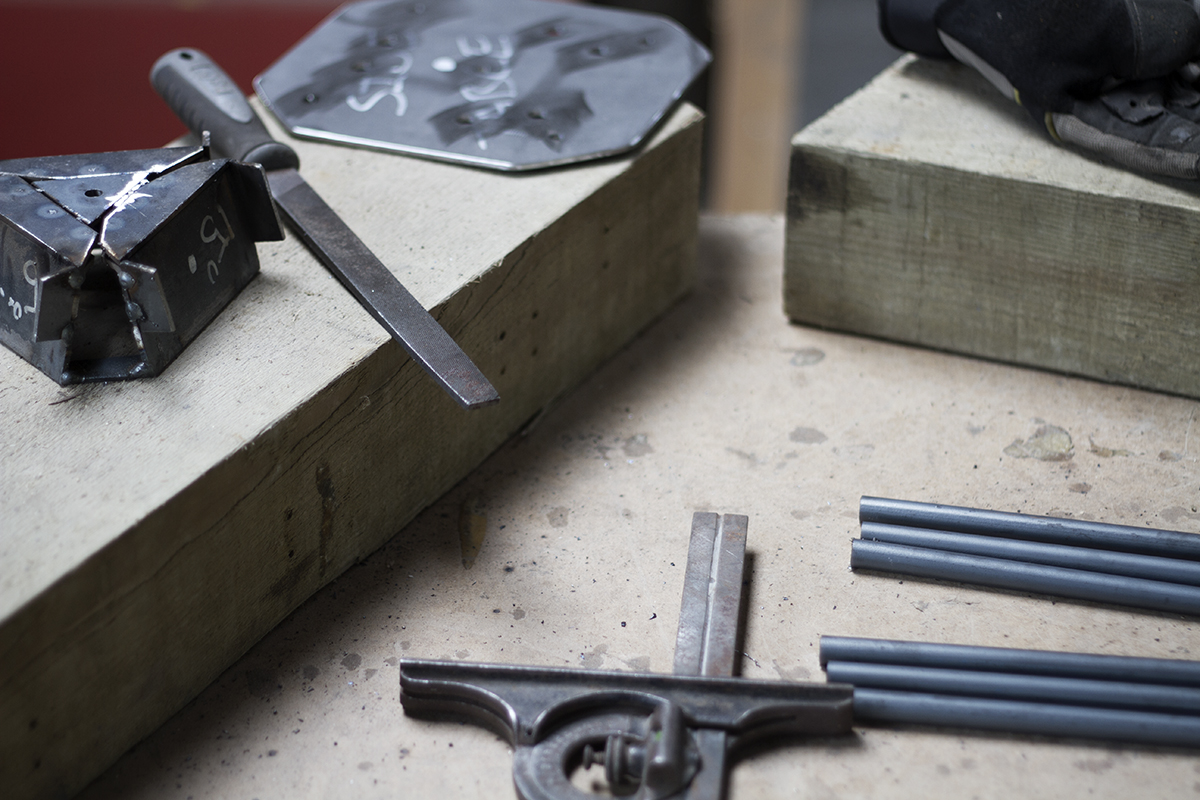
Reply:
x=503, y=84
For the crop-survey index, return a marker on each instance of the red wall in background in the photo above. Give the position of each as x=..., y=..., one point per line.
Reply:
x=76, y=79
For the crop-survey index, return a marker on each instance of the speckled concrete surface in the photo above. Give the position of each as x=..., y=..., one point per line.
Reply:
x=567, y=547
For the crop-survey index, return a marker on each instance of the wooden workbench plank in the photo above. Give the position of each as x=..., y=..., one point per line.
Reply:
x=722, y=406
x=928, y=209
x=159, y=528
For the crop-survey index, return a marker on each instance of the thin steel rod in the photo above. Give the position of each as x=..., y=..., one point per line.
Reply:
x=1047, y=719
x=1010, y=686
x=1134, y=565
x=1131, y=669
x=1019, y=576
x=1052, y=530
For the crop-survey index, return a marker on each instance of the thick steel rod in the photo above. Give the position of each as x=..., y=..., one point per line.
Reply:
x=706, y=641
x=1052, y=530
x=1131, y=669
x=1015, y=686
x=1019, y=576
x=1046, y=719
x=1112, y=562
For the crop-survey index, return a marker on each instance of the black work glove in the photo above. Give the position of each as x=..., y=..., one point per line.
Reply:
x=1115, y=77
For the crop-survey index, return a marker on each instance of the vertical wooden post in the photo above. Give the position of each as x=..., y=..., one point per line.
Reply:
x=755, y=85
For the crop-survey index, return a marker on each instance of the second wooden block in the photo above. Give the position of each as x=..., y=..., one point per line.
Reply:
x=929, y=209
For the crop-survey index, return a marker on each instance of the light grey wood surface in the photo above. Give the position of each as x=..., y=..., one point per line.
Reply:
x=567, y=547
x=929, y=209
x=152, y=531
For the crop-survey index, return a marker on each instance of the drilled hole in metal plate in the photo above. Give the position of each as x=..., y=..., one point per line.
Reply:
x=93, y=193
x=463, y=119
x=535, y=114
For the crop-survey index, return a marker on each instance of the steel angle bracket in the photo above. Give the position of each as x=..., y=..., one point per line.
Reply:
x=111, y=263
x=657, y=735
x=502, y=84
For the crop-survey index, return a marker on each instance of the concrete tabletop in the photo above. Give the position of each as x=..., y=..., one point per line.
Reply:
x=567, y=548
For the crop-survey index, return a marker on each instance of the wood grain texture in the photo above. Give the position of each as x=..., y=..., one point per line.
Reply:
x=927, y=209
x=152, y=531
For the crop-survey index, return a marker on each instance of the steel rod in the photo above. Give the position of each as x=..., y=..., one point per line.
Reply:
x=1113, y=562
x=1019, y=576
x=1131, y=669
x=1052, y=530
x=1016, y=686
x=1047, y=719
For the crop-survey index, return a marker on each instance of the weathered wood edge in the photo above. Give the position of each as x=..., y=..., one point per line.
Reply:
x=334, y=480
x=1013, y=270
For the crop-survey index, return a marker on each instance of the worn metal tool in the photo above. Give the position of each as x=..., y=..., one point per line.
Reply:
x=207, y=99
x=111, y=263
x=501, y=84
x=658, y=736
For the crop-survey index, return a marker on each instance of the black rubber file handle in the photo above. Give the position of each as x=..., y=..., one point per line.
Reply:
x=207, y=99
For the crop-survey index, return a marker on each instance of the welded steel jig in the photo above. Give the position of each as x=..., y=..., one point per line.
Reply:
x=111, y=263
x=657, y=735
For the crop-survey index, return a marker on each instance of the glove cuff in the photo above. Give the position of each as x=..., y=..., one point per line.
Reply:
x=1172, y=164
x=908, y=25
